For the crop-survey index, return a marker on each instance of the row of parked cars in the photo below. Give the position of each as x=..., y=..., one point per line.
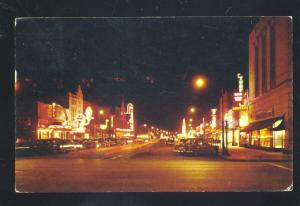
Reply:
x=195, y=146
x=61, y=146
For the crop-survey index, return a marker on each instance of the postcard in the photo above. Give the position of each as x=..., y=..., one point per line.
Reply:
x=154, y=104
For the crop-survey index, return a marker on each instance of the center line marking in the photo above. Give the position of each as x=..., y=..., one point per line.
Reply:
x=280, y=166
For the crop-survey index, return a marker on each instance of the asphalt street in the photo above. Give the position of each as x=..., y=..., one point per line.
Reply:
x=144, y=168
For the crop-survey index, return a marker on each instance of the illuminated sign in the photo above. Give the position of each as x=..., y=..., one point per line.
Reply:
x=241, y=82
x=239, y=108
x=213, y=123
x=130, y=112
x=238, y=96
x=84, y=120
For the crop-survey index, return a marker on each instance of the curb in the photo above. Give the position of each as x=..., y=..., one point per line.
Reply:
x=255, y=160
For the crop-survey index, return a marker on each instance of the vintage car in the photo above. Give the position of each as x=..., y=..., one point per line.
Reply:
x=196, y=147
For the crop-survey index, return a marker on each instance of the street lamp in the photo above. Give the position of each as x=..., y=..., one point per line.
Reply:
x=101, y=112
x=199, y=82
x=192, y=110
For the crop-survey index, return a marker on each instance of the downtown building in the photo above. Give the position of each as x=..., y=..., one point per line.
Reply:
x=233, y=111
x=71, y=117
x=270, y=85
x=125, y=124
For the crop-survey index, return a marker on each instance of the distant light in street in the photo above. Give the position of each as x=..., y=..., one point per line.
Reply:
x=145, y=125
x=101, y=111
x=191, y=120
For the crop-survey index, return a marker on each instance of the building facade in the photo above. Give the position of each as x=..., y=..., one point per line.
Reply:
x=125, y=121
x=271, y=84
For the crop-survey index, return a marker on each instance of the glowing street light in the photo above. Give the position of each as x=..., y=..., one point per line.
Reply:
x=199, y=82
x=101, y=112
x=192, y=110
x=145, y=125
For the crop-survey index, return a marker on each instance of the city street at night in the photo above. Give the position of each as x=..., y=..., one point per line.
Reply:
x=146, y=167
x=168, y=104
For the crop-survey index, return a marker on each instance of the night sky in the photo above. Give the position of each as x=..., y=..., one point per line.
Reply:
x=147, y=61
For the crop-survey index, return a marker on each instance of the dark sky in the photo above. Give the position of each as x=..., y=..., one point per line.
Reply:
x=148, y=61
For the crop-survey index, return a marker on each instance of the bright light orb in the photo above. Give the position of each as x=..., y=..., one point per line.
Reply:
x=199, y=82
x=192, y=110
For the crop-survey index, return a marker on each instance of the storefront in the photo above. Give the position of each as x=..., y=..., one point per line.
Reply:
x=265, y=134
x=54, y=132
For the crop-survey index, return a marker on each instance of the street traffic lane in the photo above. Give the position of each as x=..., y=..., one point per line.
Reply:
x=97, y=175
x=151, y=167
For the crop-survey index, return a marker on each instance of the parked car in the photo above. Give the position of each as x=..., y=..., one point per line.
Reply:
x=197, y=147
x=170, y=141
x=139, y=140
x=91, y=144
x=111, y=142
x=45, y=146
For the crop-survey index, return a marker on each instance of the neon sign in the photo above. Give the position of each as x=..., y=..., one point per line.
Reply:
x=84, y=120
x=213, y=123
x=241, y=82
x=238, y=96
x=130, y=112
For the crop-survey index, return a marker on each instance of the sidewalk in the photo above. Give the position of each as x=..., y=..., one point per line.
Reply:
x=253, y=155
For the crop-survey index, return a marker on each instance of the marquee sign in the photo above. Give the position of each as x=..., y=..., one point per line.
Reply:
x=238, y=96
x=239, y=108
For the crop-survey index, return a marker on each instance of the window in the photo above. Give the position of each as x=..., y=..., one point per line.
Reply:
x=279, y=138
x=272, y=58
x=256, y=70
x=263, y=64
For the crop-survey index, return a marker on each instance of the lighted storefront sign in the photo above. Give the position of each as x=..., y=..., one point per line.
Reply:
x=238, y=96
x=241, y=82
x=84, y=120
x=213, y=123
x=130, y=112
x=239, y=108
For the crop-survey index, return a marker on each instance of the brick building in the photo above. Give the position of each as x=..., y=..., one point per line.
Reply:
x=270, y=84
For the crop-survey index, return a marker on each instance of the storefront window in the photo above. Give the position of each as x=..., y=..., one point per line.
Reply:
x=265, y=138
x=43, y=134
x=278, y=138
x=56, y=134
x=255, y=138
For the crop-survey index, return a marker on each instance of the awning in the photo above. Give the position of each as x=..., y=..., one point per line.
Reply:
x=266, y=123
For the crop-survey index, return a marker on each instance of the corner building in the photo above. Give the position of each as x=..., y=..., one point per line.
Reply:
x=271, y=84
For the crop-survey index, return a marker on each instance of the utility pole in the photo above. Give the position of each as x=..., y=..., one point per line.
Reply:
x=224, y=151
x=226, y=136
